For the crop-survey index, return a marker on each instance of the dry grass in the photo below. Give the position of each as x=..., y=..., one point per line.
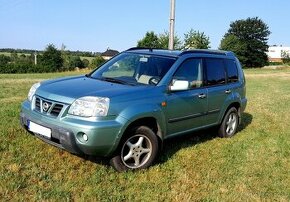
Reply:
x=271, y=75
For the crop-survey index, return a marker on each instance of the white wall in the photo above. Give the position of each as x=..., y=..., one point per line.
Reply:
x=275, y=51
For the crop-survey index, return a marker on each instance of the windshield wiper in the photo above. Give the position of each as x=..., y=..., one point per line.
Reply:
x=113, y=80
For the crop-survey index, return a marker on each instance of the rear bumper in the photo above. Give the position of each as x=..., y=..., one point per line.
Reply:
x=67, y=132
x=243, y=104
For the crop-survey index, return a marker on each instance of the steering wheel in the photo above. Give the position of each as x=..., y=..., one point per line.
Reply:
x=154, y=80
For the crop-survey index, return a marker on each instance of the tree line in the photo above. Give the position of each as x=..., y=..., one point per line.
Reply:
x=192, y=39
x=49, y=60
x=247, y=38
x=30, y=51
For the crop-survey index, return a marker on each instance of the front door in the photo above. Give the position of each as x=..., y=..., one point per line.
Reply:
x=186, y=109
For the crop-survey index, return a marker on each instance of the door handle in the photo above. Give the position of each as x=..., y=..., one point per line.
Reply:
x=228, y=91
x=202, y=96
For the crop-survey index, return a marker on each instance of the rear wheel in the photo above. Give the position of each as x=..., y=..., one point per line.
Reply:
x=137, y=150
x=229, y=124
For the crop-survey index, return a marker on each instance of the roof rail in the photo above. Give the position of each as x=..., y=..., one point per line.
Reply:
x=140, y=48
x=206, y=51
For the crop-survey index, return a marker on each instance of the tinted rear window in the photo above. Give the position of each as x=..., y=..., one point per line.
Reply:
x=215, y=71
x=232, y=71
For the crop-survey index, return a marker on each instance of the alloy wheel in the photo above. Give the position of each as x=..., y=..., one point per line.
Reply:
x=136, y=151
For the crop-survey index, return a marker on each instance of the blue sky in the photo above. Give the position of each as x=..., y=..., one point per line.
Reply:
x=94, y=25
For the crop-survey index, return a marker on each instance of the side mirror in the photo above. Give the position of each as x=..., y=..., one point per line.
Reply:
x=178, y=85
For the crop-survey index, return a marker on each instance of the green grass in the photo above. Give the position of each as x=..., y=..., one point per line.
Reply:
x=282, y=69
x=88, y=58
x=254, y=165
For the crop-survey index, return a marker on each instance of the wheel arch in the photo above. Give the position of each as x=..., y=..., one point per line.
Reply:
x=145, y=124
x=237, y=105
x=151, y=123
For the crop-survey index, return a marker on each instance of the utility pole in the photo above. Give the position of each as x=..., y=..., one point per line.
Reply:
x=171, y=25
x=35, y=58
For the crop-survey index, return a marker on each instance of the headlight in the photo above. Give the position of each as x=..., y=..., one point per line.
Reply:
x=90, y=106
x=32, y=91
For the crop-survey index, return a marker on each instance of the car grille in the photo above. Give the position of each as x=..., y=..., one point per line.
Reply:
x=47, y=107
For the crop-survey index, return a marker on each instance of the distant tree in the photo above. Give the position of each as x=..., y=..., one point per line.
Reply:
x=248, y=39
x=285, y=57
x=75, y=61
x=24, y=59
x=86, y=62
x=22, y=56
x=14, y=56
x=31, y=57
x=232, y=43
x=23, y=64
x=164, y=41
x=4, y=60
x=150, y=40
x=65, y=55
x=51, y=58
x=196, y=40
x=96, y=62
x=87, y=54
x=66, y=61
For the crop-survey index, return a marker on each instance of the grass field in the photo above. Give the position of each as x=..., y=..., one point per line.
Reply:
x=9, y=54
x=254, y=165
x=88, y=58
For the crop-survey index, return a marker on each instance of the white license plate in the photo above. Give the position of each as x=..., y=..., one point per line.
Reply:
x=41, y=130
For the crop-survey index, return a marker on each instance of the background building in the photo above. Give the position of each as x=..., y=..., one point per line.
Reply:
x=109, y=53
x=276, y=53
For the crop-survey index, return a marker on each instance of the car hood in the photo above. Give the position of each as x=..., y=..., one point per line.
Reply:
x=69, y=89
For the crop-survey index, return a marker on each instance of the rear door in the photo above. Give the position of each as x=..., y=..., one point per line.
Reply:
x=217, y=88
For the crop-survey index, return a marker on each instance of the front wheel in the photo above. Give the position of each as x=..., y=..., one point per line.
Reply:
x=229, y=124
x=137, y=150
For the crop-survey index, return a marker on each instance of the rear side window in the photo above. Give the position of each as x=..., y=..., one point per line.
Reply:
x=215, y=71
x=232, y=71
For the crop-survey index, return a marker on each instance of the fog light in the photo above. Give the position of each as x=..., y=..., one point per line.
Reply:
x=85, y=137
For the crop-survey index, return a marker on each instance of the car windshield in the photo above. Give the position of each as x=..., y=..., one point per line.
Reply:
x=134, y=69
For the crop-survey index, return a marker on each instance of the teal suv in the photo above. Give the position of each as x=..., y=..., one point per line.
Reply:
x=127, y=107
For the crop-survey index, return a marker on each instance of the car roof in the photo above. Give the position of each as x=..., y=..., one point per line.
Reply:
x=177, y=53
x=151, y=51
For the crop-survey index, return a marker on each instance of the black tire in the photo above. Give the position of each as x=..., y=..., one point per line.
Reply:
x=229, y=124
x=137, y=150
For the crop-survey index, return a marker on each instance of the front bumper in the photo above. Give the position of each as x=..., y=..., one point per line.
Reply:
x=67, y=131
